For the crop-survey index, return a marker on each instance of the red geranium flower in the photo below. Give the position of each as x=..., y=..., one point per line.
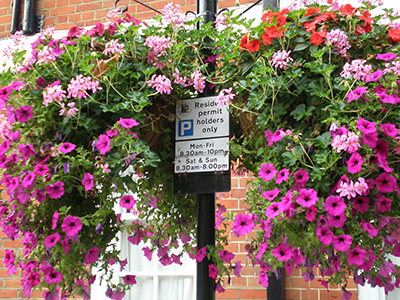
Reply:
x=394, y=35
x=348, y=10
x=317, y=37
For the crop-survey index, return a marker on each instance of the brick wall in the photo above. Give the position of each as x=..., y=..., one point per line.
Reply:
x=63, y=14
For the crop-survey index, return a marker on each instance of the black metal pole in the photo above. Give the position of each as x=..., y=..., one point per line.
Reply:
x=15, y=16
x=29, y=20
x=206, y=9
x=205, y=236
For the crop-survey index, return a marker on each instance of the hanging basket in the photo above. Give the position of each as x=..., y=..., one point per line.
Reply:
x=159, y=116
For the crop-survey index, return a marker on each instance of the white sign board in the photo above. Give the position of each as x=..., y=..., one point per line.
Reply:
x=202, y=136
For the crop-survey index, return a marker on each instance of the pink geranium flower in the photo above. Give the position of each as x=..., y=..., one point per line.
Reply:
x=242, y=224
x=267, y=172
x=385, y=183
x=354, y=164
x=127, y=202
x=52, y=240
x=24, y=113
x=87, y=181
x=92, y=255
x=66, y=147
x=71, y=225
x=55, y=190
x=127, y=123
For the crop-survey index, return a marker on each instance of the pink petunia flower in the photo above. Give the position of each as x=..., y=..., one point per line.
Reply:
x=282, y=175
x=267, y=172
x=384, y=204
x=263, y=278
x=374, y=76
x=129, y=279
x=385, y=183
x=361, y=204
x=389, y=129
x=201, y=254
x=356, y=256
x=71, y=225
x=367, y=226
x=41, y=170
x=301, y=177
x=282, y=252
x=336, y=221
x=111, y=133
x=370, y=139
x=335, y=205
x=226, y=256
x=87, y=181
x=103, y=145
x=54, y=220
x=342, y=242
x=127, y=123
x=307, y=198
x=354, y=164
x=356, y=93
x=270, y=195
x=24, y=113
x=92, y=255
x=66, y=148
x=273, y=210
x=242, y=224
x=213, y=271
x=54, y=277
x=325, y=235
x=238, y=267
x=386, y=56
x=26, y=150
x=127, y=202
x=382, y=148
x=55, y=190
x=366, y=126
x=268, y=135
x=52, y=240
x=311, y=213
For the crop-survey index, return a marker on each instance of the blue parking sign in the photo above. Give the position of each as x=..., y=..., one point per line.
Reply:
x=185, y=128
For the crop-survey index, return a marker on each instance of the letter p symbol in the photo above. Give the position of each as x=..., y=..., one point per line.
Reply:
x=185, y=128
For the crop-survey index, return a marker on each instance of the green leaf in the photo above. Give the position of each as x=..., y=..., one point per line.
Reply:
x=236, y=150
x=290, y=158
x=300, y=47
x=299, y=112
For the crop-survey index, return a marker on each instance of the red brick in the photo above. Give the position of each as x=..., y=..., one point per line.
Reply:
x=238, y=193
x=309, y=294
x=239, y=282
x=234, y=183
x=253, y=294
x=8, y=293
x=250, y=271
x=62, y=19
x=74, y=18
x=50, y=4
x=89, y=6
x=228, y=294
x=299, y=282
x=88, y=16
x=12, y=244
x=292, y=294
x=12, y=283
